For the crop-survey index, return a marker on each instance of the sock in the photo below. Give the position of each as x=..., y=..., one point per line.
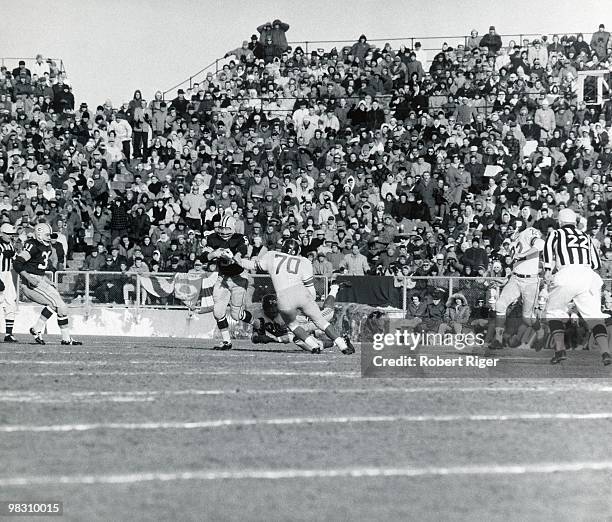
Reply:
x=63, y=324
x=246, y=316
x=308, y=340
x=311, y=342
x=333, y=290
x=45, y=314
x=557, y=334
x=340, y=343
x=223, y=326
x=10, y=323
x=601, y=337
x=499, y=333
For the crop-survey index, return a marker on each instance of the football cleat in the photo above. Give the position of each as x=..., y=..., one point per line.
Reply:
x=10, y=338
x=350, y=349
x=495, y=345
x=225, y=345
x=316, y=350
x=606, y=359
x=559, y=356
x=37, y=336
x=71, y=342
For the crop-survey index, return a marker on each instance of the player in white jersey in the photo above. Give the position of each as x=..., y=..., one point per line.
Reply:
x=523, y=282
x=293, y=282
x=8, y=294
x=575, y=258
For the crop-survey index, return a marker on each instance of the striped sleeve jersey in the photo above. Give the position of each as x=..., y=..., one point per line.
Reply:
x=6, y=257
x=569, y=246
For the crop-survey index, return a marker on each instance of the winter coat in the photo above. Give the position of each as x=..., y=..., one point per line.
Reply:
x=457, y=315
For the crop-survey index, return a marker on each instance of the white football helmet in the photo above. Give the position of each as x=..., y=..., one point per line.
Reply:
x=227, y=226
x=42, y=232
x=8, y=229
x=567, y=217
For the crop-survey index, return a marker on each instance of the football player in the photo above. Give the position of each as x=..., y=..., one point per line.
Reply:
x=271, y=328
x=227, y=248
x=292, y=279
x=31, y=264
x=523, y=282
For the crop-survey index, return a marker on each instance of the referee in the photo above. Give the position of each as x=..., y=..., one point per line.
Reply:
x=575, y=258
x=8, y=295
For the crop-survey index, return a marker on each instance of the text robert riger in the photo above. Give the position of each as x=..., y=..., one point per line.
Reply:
x=427, y=361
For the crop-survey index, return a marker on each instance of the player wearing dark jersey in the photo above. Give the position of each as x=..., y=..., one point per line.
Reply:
x=225, y=247
x=31, y=264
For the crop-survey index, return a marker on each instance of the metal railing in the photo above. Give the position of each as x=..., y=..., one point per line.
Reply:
x=429, y=44
x=81, y=289
x=95, y=289
x=8, y=61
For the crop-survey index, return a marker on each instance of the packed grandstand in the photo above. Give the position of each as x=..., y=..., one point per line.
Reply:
x=378, y=160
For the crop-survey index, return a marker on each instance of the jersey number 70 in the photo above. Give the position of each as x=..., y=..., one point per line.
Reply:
x=292, y=264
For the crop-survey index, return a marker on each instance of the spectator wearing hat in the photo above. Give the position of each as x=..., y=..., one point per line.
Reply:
x=20, y=70
x=256, y=47
x=600, y=42
x=435, y=310
x=275, y=33
x=492, y=41
x=457, y=314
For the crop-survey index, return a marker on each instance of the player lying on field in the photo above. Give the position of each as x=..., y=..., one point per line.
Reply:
x=271, y=328
x=293, y=283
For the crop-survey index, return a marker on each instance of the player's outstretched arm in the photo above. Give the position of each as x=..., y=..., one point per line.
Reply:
x=248, y=264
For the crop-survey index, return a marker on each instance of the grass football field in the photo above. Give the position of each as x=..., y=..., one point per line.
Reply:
x=166, y=429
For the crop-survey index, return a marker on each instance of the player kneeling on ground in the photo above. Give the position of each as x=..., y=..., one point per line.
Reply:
x=31, y=264
x=271, y=328
x=292, y=279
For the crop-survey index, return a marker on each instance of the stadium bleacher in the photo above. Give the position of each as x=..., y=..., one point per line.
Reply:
x=381, y=163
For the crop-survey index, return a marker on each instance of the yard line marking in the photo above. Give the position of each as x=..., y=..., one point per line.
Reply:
x=289, y=473
x=150, y=395
x=272, y=373
x=296, y=421
x=127, y=352
x=86, y=362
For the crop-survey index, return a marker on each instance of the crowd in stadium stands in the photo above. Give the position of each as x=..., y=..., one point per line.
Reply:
x=379, y=160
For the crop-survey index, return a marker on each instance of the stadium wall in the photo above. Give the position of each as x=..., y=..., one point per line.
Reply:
x=124, y=322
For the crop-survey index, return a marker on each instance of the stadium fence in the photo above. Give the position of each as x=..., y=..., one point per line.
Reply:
x=430, y=44
x=90, y=289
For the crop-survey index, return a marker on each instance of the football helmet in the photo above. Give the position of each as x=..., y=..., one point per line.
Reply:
x=567, y=217
x=227, y=227
x=269, y=304
x=8, y=229
x=42, y=232
x=291, y=247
